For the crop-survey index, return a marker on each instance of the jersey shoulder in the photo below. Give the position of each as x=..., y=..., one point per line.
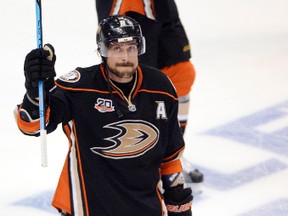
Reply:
x=155, y=79
x=80, y=77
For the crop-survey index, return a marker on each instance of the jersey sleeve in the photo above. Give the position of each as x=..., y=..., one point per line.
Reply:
x=171, y=167
x=27, y=113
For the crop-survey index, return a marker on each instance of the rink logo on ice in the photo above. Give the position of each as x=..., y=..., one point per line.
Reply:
x=266, y=129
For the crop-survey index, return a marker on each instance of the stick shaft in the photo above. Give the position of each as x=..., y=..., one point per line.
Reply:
x=41, y=88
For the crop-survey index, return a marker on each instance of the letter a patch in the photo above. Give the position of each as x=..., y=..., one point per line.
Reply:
x=161, y=110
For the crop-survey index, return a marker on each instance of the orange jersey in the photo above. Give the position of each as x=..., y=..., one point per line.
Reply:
x=144, y=7
x=182, y=76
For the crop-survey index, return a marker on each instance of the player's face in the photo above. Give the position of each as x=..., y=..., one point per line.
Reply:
x=122, y=60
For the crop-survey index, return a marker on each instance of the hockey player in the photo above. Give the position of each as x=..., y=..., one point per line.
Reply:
x=167, y=49
x=120, y=118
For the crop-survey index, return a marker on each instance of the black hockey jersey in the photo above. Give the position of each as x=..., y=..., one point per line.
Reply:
x=113, y=166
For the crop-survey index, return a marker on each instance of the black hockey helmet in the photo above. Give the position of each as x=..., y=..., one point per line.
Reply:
x=119, y=28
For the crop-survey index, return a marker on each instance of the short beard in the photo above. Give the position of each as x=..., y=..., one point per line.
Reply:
x=123, y=74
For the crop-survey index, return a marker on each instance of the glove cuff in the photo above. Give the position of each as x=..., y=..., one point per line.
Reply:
x=178, y=201
x=31, y=107
x=179, y=210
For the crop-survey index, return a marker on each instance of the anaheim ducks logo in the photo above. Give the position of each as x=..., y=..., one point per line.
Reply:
x=71, y=77
x=135, y=137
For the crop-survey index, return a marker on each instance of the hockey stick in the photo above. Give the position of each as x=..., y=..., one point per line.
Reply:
x=41, y=89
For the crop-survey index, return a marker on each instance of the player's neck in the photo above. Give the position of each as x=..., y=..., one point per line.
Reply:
x=125, y=87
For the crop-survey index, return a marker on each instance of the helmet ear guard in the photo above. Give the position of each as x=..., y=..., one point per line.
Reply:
x=119, y=28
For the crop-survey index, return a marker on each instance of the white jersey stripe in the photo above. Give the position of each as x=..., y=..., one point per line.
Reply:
x=148, y=9
x=116, y=9
x=75, y=177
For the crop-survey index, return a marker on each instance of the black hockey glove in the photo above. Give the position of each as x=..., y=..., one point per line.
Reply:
x=178, y=201
x=39, y=65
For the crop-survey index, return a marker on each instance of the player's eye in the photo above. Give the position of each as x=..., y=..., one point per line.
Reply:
x=132, y=49
x=117, y=49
